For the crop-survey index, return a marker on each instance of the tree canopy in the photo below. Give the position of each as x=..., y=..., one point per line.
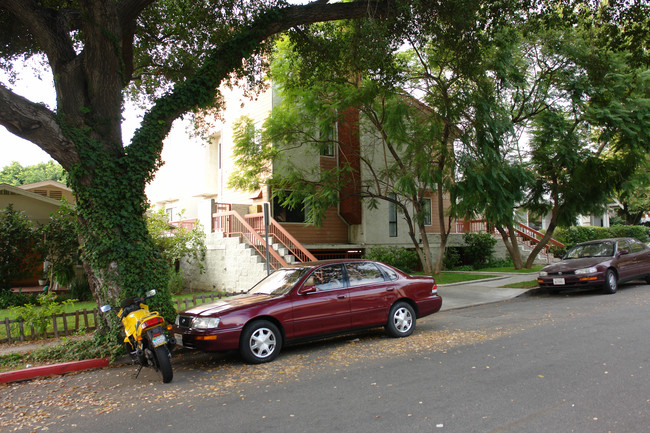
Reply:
x=15, y=174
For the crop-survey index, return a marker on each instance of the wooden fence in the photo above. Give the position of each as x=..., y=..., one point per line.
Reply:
x=65, y=324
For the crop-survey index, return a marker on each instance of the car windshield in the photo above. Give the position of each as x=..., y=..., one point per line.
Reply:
x=601, y=249
x=279, y=282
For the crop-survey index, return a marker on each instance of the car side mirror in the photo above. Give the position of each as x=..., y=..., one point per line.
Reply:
x=307, y=289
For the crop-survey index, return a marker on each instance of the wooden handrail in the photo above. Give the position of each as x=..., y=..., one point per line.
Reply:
x=535, y=236
x=476, y=226
x=231, y=223
x=280, y=234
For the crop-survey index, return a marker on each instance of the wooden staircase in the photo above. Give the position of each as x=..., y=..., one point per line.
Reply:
x=283, y=248
x=527, y=236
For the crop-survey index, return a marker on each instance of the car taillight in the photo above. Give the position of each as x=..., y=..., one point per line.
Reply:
x=151, y=322
x=434, y=289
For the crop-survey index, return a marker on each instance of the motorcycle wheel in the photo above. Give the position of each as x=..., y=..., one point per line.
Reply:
x=164, y=363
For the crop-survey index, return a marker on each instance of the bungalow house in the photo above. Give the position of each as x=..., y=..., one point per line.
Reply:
x=37, y=201
x=192, y=185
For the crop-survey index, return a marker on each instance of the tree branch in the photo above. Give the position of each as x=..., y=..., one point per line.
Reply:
x=34, y=122
x=199, y=90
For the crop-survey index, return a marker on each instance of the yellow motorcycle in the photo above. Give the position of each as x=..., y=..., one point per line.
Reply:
x=145, y=338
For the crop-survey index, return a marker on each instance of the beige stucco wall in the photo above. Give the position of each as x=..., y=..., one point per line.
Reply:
x=36, y=210
x=190, y=174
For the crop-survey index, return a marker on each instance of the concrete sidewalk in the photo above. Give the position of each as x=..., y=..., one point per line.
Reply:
x=457, y=295
x=477, y=292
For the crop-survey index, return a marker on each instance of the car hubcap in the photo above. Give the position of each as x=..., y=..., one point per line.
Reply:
x=403, y=320
x=612, y=281
x=262, y=342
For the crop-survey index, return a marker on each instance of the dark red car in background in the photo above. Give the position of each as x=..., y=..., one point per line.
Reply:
x=309, y=300
x=602, y=263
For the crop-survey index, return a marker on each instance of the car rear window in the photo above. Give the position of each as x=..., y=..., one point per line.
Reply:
x=363, y=273
x=390, y=273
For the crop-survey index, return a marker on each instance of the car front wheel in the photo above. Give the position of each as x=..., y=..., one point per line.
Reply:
x=611, y=282
x=401, y=320
x=261, y=341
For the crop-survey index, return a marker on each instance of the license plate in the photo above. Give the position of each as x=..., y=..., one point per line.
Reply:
x=558, y=281
x=159, y=340
x=179, y=339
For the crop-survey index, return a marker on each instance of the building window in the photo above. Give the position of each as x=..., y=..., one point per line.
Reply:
x=392, y=217
x=171, y=214
x=426, y=210
x=327, y=138
x=219, y=154
x=284, y=214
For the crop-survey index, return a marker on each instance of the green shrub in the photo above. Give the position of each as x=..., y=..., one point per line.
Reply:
x=452, y=258
x=176, y=282
x=80, y=289
x=576, y=234
x=402, y=258
x=41, y=316
x=479, y=248
x=18, y=241
x=9, y=299
x=500, y=263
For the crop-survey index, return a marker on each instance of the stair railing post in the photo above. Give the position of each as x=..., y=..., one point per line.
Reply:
x=265, y=206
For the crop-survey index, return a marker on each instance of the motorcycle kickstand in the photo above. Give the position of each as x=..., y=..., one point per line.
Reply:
x=138, y=372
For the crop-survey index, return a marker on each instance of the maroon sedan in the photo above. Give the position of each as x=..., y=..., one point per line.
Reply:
x=604, y=263
x=306, y=301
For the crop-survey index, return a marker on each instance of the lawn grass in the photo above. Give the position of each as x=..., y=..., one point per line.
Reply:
x=523, y=285
x=511, y=269
x=457, y=277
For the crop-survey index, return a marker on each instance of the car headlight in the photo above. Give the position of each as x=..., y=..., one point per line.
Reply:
x=205, y=322
x=585, y=271
x=543, y=273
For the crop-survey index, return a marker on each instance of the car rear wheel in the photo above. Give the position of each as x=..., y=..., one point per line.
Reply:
x=261, y=341
x=401, y=320
x=611, y=282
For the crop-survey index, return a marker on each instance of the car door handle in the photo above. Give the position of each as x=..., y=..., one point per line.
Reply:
x=341, y=296
x=390, y=289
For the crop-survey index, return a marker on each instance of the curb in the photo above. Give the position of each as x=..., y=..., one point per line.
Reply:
x=54, y=369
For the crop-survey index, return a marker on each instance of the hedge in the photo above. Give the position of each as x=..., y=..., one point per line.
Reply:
x=573, y=235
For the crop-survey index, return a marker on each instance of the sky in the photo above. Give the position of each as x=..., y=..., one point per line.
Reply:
x=13, y=148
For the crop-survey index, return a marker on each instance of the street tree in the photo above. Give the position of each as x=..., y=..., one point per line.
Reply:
x=559, y=78
x=101, y=51
x=415, y=99
x=394, y=151
x=593, y=134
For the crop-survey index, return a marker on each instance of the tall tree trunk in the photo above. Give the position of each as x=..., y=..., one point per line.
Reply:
x=547, y=237
x=444, y=232
x=509, y=238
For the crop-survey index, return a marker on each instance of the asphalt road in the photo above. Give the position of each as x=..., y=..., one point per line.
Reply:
x=573, y=362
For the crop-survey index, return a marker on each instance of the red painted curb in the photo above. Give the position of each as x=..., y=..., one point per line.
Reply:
x=49, y=370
